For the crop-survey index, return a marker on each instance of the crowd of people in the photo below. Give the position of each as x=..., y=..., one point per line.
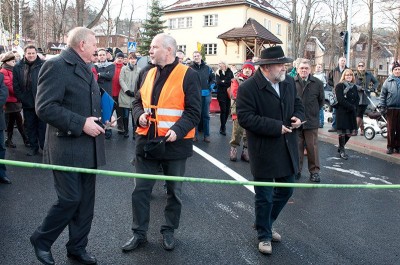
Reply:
x=275, y=118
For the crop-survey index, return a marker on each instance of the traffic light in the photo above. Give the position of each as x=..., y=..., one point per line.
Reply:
x=343, y=36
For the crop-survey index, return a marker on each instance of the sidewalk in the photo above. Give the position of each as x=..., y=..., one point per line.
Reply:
x=375, y=147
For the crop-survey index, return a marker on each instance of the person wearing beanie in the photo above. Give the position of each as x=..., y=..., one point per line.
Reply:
x=109, y=54
x=13, y=106
x=238, y=133
x=116, y=88
x=390, y=102
x=223, y=78
x=3, y=97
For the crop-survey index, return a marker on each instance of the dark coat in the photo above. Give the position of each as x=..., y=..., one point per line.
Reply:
x=365, y=91
x=3, y=98
x=105, y=76
x=346, y=110
x=26, y=96
x=206, y=74
x=67, y=95
x=223, y=81
x=262, y=113
x=312, y=96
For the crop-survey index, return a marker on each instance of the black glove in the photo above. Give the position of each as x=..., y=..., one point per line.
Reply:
x=129, y=93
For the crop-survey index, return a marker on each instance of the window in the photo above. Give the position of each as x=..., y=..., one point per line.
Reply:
x=380, y=67
x=210, y=20
x=210, y=49
x=267, y=24
x=180, y=23
x=278, y=29
x=182, y=48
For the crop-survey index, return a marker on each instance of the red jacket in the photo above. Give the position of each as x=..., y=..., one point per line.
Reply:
x=116, y=87
x=8, y=81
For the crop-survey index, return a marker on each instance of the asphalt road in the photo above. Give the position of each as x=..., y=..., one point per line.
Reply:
x=318, y=226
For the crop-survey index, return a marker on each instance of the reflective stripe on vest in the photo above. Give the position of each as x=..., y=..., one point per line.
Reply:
x=171, y=102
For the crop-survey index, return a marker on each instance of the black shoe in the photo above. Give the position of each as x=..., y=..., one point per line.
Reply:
x=297, y=176
x=314, y=177
x=44, y=257
x=33, y=152
x=389, y=151
x=5, y=180
x=84, y=258
x=332, y=130
x=396, y=150
x=223, y=132
x=10, y=144
x=168, y=241
x=133, y=243
x=343, y=155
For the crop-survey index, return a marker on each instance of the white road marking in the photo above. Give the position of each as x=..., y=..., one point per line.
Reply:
x=223, y=167
x=227, y=209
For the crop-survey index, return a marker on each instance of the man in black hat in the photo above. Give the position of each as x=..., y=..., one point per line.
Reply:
x=270, y=110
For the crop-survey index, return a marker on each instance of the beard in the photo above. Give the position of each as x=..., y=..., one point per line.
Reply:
x=279, y=77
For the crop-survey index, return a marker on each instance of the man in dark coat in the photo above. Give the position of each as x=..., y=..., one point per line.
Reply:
x=68, y=100
x=25, y=80
x=311, y=91
x=270, y=110
x=3, y=97
x=167, y=107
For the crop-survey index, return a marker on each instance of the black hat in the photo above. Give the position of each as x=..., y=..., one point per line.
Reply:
x=395, y=65
x=8, y=57
x=273, y=55
x=109, y=50
x=120, y=55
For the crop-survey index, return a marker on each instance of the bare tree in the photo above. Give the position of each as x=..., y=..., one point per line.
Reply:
x=391, y=10
x=119, y=14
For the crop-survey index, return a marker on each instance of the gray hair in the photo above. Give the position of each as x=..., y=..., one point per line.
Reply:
x=78, y=34
x=304, y=61
x=168, y=42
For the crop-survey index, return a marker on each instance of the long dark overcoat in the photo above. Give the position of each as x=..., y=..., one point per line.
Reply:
x=68, y=94
x=262, y=113
x=346, y=110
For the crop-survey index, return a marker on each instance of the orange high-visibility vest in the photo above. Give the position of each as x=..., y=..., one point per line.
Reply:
x=171, y=103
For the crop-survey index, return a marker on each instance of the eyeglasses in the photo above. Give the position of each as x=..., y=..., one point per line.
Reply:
x=349, y=75
x=360, y=65
x=95, y=54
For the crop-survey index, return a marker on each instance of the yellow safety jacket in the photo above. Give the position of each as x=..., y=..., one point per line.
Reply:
x=171, y=103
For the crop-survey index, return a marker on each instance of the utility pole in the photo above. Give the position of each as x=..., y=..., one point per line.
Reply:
x=349, y=14
x=21, y=44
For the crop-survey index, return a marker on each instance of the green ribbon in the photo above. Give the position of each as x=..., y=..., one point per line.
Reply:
x=193, y=179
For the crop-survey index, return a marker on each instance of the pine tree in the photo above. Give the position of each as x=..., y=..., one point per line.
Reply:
x=152, y=26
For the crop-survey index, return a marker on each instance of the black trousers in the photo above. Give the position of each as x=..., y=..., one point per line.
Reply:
x=225, y=107
x=35, y=128
x=74, y=208
x=142, y=193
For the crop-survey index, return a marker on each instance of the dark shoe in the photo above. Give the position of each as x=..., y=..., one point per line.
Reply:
x=297, y=176
x=332, y=130
x=44, y=257
x=84, y=258
x=168, y=241
x=396, y=150
x=27, y=143
x=5, y=180
x=343, y=155
x=133, y=243
x=10, y=144
x=389, y=151
x=314, y=177
x=223, y=132
x=207, y=139
x=33, y=152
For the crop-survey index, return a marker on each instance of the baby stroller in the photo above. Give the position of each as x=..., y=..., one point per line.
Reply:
x=379, y=126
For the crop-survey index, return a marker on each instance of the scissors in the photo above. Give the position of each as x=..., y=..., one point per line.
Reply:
x=108, y=126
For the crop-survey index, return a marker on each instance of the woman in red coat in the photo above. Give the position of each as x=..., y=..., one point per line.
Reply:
x=13, y=107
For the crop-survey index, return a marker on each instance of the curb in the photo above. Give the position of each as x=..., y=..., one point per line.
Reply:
x=360, y=146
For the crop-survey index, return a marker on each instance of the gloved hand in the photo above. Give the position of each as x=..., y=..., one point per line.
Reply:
x=129, y=93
